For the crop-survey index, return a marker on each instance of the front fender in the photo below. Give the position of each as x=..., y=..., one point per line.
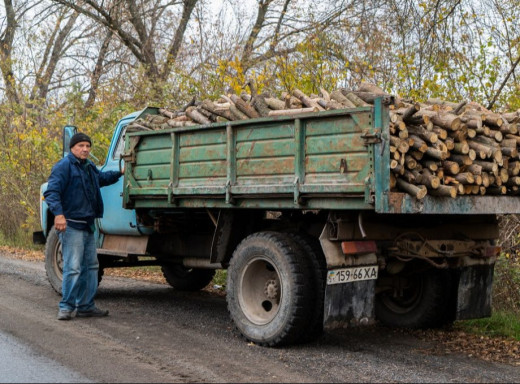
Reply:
x=46, y=217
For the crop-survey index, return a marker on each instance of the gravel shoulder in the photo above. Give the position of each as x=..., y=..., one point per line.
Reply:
x=155, y=334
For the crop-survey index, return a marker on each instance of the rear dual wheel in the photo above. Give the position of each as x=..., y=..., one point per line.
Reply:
x=418, y=300
x=271, y=291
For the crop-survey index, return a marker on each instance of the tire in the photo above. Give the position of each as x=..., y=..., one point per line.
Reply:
x=54, y=261
x=268, y=290
x=422, y=302
x=187, y=279
x=312, y=250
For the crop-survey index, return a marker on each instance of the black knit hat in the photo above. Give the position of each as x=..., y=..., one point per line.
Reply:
x=78, y=138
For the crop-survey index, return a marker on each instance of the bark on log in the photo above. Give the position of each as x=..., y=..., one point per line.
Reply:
x=243, y=107
x=259, y=103
x=211, y=107
x=338, y=96
x=324, y=94
x=306, y=100
x=196, y=116
x=357, y=101
x=275, y=103
x=370, y=87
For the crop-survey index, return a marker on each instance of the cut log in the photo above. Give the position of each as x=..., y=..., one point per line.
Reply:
x=393, y=181
x=416, y=154
x=331, y=104
x=487, y=166
x=243, y=107
x=410, y=111
x=196, y=116
x=461, y=160
x=481, y=148
x=340, y=98
x=211, y=107
x=465, y=178
x=508, y=151
x=357, y=101
x=450, y=167
x=461, y=148
x=436, y=153
x=431, y=165
x=441, y=133
x=475, y=169
x=370, y=87
x=444, y=120
x=306, y=100
x=324, y=94
x=496, y=190
x=419, y=192
x=292, y=112
x=275, y=103
x=419, y=144
x=444, y=190
x=259, y=103
x=428, y=179
x=410, y=162
x=419, y=131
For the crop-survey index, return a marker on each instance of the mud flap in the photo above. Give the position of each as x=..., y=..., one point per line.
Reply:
x=349, y=304
x=474, y=292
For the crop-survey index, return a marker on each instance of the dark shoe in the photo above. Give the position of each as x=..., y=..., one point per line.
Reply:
x=64, y=315
x=96, y=312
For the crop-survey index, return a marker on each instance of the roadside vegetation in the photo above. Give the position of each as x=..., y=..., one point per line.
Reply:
x=68, y=62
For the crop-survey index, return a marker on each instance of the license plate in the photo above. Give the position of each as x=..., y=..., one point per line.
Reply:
x=349, y=275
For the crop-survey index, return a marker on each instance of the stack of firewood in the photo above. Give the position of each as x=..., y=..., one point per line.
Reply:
x=438, y=147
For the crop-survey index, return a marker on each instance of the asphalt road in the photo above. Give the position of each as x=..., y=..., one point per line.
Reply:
x=155, y=334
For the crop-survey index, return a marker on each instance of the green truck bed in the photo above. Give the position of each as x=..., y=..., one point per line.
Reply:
x=324, y=160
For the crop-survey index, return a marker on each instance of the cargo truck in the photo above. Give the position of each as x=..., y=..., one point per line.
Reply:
x=299, y=211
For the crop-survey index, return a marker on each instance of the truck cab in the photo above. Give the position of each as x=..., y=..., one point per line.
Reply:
x=117, y=232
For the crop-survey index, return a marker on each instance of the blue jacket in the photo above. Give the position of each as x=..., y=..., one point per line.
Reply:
x=69, y=192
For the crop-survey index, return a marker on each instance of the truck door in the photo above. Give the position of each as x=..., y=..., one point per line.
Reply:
x=117, y=220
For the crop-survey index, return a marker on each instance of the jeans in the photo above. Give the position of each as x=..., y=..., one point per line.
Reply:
x=80, y=270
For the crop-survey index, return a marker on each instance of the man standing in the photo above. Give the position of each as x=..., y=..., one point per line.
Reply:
x=74, y=198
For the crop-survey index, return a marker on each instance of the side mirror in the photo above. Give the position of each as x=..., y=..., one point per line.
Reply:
x=68, y=132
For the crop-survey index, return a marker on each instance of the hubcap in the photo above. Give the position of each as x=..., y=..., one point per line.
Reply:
x=260, y=291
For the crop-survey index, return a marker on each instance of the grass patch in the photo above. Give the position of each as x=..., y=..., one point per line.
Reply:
x=220, y=278
x=500, y=324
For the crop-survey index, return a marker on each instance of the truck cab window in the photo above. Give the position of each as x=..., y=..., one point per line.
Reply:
x=120, y=146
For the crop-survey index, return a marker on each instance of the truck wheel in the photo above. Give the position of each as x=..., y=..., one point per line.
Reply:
x=187, y=279
x=54, y=261
x=415, y=301
x=268, y=290
x=312, y=250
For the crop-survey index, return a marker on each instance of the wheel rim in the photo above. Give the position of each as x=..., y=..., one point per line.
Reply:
x=405, y=298
x=260, y=291
x=58, y=260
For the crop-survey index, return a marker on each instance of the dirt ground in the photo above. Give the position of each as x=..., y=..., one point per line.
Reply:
x=155, y=334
